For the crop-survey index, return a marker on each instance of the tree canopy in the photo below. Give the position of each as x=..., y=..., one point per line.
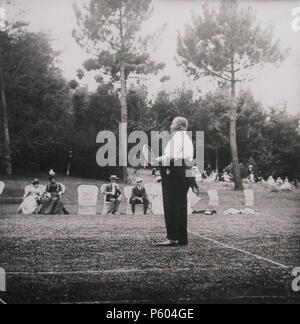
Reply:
x=227, y=40
x=226, y=43
x=48, y=116
x=37, y=99
x=110, y=31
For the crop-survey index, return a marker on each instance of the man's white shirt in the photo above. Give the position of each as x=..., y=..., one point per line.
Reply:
x=180, y=147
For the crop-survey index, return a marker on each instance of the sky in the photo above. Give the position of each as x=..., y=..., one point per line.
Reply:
x=272, y=86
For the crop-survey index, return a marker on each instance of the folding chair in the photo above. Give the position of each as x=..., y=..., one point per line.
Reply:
x=152, y=191
x=193, y=200
x=2, y=279
x=2, y=187
x=249, y=197
x=213, y=197
x=87, y=199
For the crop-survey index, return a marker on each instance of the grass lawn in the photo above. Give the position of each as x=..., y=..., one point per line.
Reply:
x=97, y=259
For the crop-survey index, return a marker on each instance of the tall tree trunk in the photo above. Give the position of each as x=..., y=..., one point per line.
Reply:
x=233, y=141
x=124, y=116
x=7, y=150
x=217, y=160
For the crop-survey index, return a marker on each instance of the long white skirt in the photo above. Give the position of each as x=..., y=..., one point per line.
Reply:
x=29, y=206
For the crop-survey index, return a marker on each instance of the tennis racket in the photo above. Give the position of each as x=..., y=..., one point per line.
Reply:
x=148, y=155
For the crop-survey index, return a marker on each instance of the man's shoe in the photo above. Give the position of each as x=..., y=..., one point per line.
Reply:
x=168, y=243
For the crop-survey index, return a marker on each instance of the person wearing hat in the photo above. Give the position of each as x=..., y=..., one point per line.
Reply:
x=31, y=199
x=139, y=196
x=52, y=200
x=113, y=195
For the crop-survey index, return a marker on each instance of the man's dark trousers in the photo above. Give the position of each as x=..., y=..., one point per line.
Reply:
x=135, y=201
x=175, y=187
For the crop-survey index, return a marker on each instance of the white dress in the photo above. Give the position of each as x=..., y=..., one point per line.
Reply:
x=30, y=203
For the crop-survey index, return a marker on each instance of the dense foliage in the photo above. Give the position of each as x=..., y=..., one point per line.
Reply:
x=38, y=101
x=47, y=117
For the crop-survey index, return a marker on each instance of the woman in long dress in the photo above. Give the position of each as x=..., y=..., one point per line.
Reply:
x=52, y=200
x=31, y=199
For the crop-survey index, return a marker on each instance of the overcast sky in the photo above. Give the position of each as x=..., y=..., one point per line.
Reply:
x=273, y=85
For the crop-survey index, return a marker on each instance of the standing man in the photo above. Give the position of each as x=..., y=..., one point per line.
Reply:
x=139, y=196
x=175, y=183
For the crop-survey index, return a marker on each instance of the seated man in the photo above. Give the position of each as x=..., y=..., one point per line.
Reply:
x=139, y=196
x=113, y=195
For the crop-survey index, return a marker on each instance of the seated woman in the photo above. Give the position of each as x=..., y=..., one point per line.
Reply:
x=31, y=199
x=52, y=200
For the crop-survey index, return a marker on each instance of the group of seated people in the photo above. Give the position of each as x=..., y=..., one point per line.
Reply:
x=39, y=199
x=113, y=195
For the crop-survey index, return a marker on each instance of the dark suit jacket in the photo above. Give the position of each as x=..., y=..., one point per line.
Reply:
x=136, y=193
x=109, y=196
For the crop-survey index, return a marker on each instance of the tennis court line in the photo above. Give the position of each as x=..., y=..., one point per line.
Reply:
x=107, y=272
x=121, y=271
x=2, y=302
x=181, y=300
x=240, y=250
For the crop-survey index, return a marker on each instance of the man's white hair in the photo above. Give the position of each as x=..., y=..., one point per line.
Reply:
x=182, y=123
